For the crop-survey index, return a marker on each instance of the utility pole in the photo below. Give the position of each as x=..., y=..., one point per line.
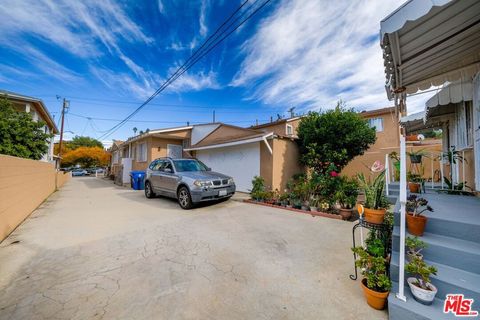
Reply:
x=64, y=107
x=213, y=116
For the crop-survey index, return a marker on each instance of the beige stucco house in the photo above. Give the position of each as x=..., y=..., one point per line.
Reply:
x=39, y=112
x=242, y=153
x=387, y=125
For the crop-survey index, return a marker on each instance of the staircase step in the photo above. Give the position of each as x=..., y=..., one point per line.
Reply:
x=394, y=186
x=413, y=310
x=393, y=192
x=392, y=199
x=448, y=280
x=453, y=216
x=449, y=251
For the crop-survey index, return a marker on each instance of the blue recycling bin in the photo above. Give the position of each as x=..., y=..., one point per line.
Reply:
x=137, y=179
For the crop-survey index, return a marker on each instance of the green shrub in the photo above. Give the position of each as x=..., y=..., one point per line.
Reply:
x=258, y=188
x=333, y=137
x=347, y=192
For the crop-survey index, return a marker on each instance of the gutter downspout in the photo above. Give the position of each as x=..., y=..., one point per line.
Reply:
x=264, y=138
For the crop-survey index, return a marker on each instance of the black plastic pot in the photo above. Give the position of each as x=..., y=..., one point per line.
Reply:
x=416, y=158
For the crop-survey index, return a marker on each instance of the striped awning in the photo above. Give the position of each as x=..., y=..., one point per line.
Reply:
x=429, y=42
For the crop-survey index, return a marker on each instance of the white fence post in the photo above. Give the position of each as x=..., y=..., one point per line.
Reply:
x=463, y=169
x=431, y=161
x=403, y=201
x=387, y=174
x=441, y=167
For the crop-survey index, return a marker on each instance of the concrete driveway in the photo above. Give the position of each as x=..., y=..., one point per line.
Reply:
x=97, y=251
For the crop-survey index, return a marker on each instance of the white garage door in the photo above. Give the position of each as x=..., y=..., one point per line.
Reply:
x=240, y=162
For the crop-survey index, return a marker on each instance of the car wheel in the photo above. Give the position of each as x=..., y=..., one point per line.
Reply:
x=149, y=191
x=184, y=198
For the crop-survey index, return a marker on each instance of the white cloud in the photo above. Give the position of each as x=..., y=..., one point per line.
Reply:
x=145, y=84
x=50, y=67
x=196, y=82
x=161, y=7
x=311, y=53
x=203, y=16
x=76, y=26
x=83, y=28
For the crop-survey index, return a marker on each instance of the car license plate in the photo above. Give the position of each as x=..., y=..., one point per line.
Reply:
x=222, y=192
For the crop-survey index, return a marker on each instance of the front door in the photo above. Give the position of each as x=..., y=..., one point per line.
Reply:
x=174, y=151
x=476, y=117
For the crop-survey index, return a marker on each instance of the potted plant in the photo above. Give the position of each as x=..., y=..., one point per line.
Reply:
x=422, y=289
x=275, y=196
x=416, y=156
x=453, y=157
x=346, y=196
x=376, y=203
x=415, y=182
x=376, y=284
x=297, y=203
x=269, y=197
x=314, y=201
x=305, y=206
x=416, y=222
x=396, y=165
x=414, y=247
x=283, y=199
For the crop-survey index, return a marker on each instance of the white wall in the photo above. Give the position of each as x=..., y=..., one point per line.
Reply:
x=242, y=162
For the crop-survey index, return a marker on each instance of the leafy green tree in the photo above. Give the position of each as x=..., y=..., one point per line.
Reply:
x=20, y=135
x=80, y=141
x=331, y=139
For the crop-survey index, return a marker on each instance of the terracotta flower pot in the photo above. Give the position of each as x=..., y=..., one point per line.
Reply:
x=416, y=224
x=374, y=215
x=414, y=187
x=345, y=213
x=375, y=299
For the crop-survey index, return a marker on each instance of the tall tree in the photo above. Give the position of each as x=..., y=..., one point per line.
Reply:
x=20, y=135
x=81, y=141
x=86, y=157
x=333, y=138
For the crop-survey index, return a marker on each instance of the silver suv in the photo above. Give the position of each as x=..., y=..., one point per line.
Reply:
x=187, y=180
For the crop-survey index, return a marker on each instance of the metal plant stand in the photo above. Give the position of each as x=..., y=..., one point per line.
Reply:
x=383, y=231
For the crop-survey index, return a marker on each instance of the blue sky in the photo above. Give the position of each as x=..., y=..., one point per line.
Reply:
x=107, y=56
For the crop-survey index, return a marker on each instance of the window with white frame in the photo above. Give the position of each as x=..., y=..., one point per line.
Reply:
x=289, y=130
x=376, y=123
x=464, y=125
x=141, y=152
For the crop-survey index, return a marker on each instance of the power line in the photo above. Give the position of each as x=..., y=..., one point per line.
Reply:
x=167, y=82
x=189, y=63
x=204, y=109
x=152, y=121
x=96, y=101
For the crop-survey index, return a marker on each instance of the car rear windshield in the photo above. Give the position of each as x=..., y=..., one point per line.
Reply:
x=189, y=165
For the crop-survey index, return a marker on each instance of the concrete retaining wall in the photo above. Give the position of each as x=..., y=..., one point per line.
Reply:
x=24, y=185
